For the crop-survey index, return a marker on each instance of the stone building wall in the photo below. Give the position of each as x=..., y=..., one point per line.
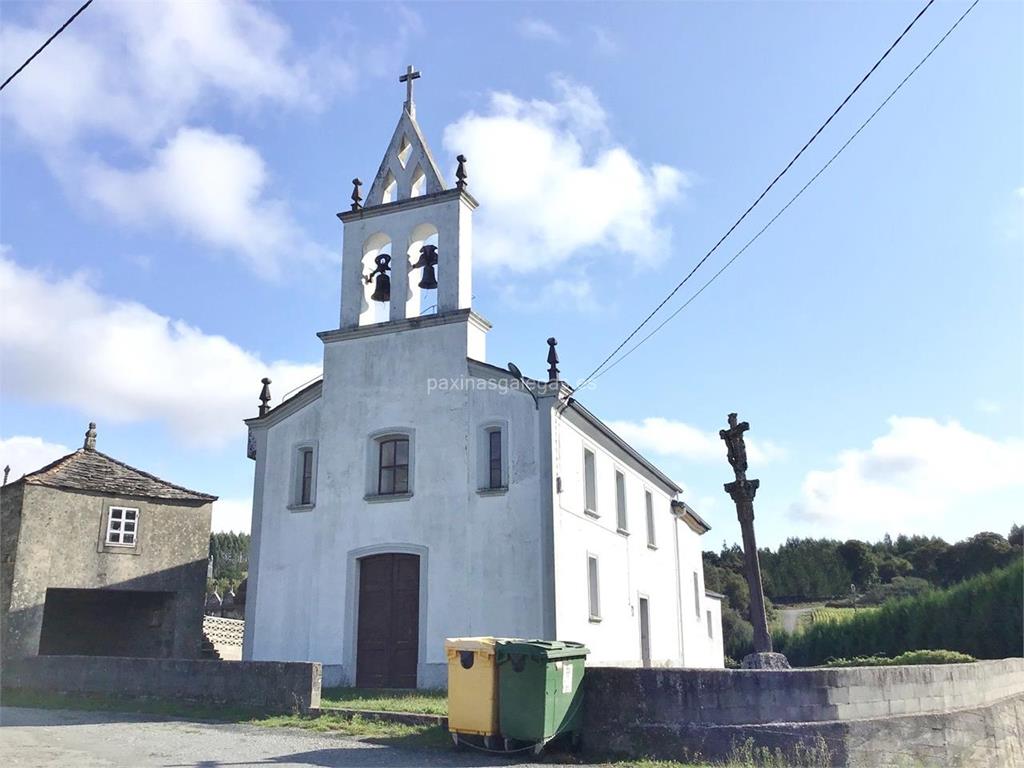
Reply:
x=61, y=545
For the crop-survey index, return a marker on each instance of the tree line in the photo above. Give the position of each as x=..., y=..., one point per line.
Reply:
x=850, y=572
x=229, y=555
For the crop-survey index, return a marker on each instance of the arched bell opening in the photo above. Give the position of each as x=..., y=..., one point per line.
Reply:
x=376, y=272
x=424, y=276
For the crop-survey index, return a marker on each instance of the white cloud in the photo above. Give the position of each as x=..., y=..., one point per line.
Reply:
x=232, y=515
x=211, y=187
x=677, y=439
x=126, y=81
x=557, y=187
x=25, y=454
x=921, y=471
x=538, y=29
x=141, y=69
x=64, y=343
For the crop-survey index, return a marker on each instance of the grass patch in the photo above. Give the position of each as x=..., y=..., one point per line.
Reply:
x=910, y=657
x=420, y=702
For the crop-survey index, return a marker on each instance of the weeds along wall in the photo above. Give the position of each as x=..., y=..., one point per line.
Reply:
x=981, y=616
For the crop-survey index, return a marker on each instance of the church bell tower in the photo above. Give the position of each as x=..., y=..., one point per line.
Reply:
x=408, y=250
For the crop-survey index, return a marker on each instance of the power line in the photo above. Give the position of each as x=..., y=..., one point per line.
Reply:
x=762, y=195
x=792, y=200
x=48, y=41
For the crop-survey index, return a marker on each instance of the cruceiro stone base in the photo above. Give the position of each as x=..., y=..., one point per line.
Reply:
x=765, y=660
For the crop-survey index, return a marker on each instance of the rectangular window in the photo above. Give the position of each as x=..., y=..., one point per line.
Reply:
x=696, y=594
x=649, y=502
x=620, y=502
x=494, y=458
x=589, y=482
x=393, y=475
x=593, y=589
x=306, y=479
x=710, y=633
x=122, y=526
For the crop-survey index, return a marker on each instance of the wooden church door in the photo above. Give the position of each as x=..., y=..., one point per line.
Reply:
x=387, y=647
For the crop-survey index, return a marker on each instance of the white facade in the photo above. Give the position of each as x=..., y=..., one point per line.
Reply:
x=512, y=560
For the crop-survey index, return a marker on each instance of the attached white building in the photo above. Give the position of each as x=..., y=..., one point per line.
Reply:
x=417, y=492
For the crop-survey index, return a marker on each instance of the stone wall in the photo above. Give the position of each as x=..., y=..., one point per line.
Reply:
x=268, y=685
x=942, y=715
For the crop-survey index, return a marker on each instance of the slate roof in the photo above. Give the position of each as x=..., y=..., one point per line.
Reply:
x=90, y=470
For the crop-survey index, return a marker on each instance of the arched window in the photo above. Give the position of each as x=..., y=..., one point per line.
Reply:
x=390, y=465
x=493, y=457
x=304, y=461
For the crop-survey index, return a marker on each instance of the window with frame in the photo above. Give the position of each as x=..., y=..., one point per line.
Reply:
x=696, y=594
x=649, y=502
x=393, y=466
x=122, y=526
x=621, y=518
x=593, y=589
x=305, y=484
x=589, y=482
x=710, y=633
x=495, y=476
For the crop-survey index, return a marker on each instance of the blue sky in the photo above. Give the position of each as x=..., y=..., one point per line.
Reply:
x=170, y=175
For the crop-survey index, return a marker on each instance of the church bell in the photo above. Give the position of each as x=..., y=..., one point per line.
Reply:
x=428, y=258
x=382, y=289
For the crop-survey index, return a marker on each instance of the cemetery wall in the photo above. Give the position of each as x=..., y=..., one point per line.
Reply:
x=949, y=715
x=269, y=685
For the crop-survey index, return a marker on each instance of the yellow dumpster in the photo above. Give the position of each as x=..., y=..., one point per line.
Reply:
x=472, y=686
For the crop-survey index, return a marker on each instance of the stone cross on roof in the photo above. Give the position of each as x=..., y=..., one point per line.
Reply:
x=410, y=75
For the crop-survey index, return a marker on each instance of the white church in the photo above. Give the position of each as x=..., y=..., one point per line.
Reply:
x=418, y=492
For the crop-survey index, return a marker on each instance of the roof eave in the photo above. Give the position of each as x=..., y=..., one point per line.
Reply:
x=615, y=438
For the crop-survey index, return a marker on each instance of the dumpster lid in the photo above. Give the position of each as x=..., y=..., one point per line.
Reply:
x=485, y=644
x=543, y=649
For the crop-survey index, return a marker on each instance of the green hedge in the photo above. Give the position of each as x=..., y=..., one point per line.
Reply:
x=983, y=617
x=910, y=657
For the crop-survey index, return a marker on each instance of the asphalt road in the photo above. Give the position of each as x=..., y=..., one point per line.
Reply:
x=34, y=738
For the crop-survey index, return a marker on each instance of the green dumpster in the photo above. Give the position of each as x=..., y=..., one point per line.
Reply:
x=539, y=691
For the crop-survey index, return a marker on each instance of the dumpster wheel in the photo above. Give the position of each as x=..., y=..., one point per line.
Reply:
x=507, y=746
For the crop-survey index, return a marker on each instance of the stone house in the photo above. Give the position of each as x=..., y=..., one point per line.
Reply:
x=418, y=492
x=102, y=559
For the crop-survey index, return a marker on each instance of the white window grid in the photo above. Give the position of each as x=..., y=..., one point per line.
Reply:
x=122, y=526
